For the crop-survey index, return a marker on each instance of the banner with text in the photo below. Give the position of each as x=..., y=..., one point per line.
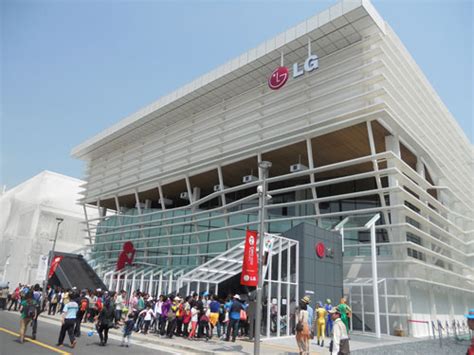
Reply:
x=54, y=265
x=249, y=275
x=42, y=267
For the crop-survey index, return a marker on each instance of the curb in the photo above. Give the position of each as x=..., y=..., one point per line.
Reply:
x=140, y=337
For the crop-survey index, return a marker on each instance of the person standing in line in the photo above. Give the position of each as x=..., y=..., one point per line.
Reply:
x=340, y=340
x=28, y=313
x=302, y=328
x=194, y=321
x=310, y=310
x=147, y=315
x=345, y=312
x=127, y=330
x=320, y=323
x=68, y=323
x=186, y=317
x=119, y=304
x=328, y=307
x=53, y=303
x=234, y=309
x=105, y=320
x=214, y=313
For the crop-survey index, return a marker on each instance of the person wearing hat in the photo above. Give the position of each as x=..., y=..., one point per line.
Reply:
x=302, y=328
x=234, y=308
x=340, y=340
x=470, y=323
x=310, y=310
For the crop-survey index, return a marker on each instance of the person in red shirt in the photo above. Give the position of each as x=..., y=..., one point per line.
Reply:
x=15, y=298
x=470, y=323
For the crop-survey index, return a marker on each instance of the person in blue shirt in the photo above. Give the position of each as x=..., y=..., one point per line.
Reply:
x=234, y=308
x=68, y=322
x=310, y=310
x=328, y=307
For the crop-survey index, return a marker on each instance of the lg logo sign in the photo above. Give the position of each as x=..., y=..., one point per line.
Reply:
x=280, y=75
x=322, y=251
x=278, y=78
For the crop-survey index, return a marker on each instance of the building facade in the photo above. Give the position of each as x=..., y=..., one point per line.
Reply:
x=28, y=225
x=352, y=128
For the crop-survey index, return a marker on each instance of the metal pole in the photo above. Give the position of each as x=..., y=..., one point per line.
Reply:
x=264, y=166
x=386, y=306
x=375, y=286
x=51, y=253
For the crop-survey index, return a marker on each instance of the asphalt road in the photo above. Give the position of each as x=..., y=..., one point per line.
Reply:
x=48, y=332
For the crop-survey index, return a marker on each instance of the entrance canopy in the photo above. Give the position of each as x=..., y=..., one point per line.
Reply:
x=229, y=263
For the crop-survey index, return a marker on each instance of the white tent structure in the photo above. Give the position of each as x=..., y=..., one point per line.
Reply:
x=28, y=224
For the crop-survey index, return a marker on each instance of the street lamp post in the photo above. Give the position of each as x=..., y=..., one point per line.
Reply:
x=264, y=167
x=51, y=253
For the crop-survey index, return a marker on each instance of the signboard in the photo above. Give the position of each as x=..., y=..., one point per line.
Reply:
x=320, y=250
x=42, y=267
x=278, y=78
x=280, y=75
x=54, y=265
x=249, y=276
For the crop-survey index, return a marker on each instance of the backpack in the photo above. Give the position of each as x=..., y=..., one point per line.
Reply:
x=84, y=305
x=30, y=310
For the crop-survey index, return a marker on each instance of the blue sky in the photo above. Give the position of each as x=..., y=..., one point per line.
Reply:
x=70, y=69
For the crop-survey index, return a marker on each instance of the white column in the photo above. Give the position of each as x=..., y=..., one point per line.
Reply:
x=309, y=149
x=374, y=281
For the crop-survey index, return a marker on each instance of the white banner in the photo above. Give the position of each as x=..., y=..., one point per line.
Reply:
x=42, y=267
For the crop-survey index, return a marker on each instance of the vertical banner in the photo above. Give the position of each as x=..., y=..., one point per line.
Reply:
x=249, y=276
x=54, y=265
x=42, y=267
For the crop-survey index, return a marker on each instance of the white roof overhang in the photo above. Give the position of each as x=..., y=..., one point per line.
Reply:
x=335, y=28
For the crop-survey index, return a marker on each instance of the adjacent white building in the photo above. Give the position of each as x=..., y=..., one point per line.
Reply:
x=28, y=224
x=359, y=132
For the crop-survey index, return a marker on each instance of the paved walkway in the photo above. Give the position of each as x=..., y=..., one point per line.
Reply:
x=284, y=345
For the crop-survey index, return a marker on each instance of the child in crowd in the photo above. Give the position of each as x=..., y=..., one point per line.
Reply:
x=127, y=330
x=148, y=316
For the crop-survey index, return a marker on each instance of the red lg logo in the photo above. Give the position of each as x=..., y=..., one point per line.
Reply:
x=320, y=250
x=278, y=78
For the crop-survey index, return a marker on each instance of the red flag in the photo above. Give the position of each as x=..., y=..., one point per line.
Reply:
x=249, y=276
x=54, y=265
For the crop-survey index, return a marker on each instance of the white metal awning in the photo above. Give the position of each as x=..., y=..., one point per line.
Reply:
x=229, y=263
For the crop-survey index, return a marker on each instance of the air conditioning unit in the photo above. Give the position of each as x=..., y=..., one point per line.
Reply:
x=249, y=178
x=218, y=188
x=165, y=201
x=184, y=196
x=297, y=167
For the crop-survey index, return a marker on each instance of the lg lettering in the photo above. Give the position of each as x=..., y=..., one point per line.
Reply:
x=311, y=63
x=279, y=76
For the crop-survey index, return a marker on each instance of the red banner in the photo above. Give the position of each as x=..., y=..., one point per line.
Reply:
x=249, y=275
x=54, y=265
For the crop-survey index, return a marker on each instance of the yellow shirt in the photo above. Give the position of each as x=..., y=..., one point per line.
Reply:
x=322, y=313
